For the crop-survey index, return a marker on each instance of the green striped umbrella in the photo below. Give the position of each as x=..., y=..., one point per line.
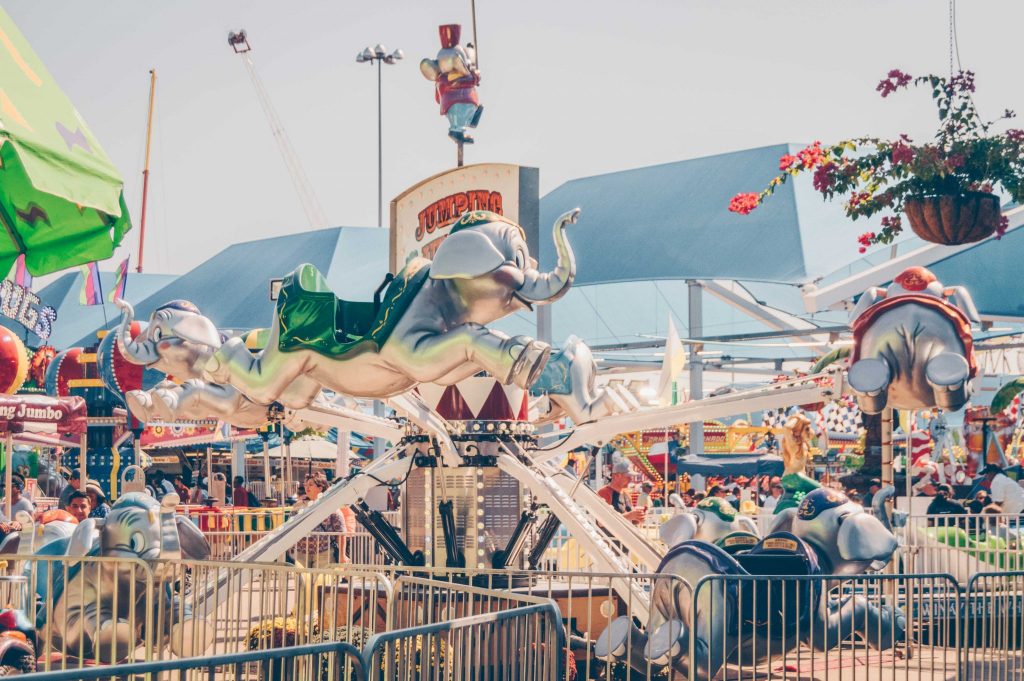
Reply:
x=61, y=199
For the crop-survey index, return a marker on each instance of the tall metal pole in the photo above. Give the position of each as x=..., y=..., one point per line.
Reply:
x=696, y=322
x=380, y=149
x=145, y=168
x=9, y=470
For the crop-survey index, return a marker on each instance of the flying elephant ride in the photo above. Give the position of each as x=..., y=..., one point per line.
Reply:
x=93, y=611
x=826, y=535
x=912, y=345
x=714, y=521
x=429, y=327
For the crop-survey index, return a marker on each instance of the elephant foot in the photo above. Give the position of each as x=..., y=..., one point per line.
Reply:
x=620, y=639
x=189, y=638
x=666, y=644
x=948, y=374
x=140, y=404
x=114, y=641
x=869, y=379
x=530, y=356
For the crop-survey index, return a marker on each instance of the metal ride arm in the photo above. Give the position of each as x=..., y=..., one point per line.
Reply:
x=803, y=390
x=583, y=530
x=623, y=530
x=345, y=418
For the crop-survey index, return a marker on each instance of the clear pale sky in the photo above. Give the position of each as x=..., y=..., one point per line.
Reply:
x=574, y=87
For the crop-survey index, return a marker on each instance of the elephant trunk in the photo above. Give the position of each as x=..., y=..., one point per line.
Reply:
x=550, y=286
x=878, y=505
x=133, y=350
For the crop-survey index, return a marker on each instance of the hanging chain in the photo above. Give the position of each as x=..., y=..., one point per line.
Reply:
x=952, y=31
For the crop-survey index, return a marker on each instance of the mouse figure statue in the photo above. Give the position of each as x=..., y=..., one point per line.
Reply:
x=92, y=611
x=827, y=535
x=455, y=77
x=712, y=520
x=912, y=345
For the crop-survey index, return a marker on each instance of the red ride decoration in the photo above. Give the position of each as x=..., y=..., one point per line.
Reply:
x=13, y=362
x=70, y=368
x=39, y=363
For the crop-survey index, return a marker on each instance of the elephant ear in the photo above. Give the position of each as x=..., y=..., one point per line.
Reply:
x=198, y=329
x=194, y=544
x=465, y=255
x=84, y=537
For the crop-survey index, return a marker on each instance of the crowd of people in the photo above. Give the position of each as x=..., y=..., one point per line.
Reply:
x=993, y=492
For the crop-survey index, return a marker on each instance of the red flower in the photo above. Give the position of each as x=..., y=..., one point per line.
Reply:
x=901, y=153
x=954, y=161
x=744, y=203
x=811, y=156
x=1004, y=224
x=1015, y=135
x=786, y=161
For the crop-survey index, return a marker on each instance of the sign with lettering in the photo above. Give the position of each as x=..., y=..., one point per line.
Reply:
x=422, y=216
x=42, y=414
x=23, y=306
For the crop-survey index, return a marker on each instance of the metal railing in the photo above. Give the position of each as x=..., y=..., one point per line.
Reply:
x=963, y=545
x=898, y=627
x=993, y=627
x=316, y=662
x=523, y=643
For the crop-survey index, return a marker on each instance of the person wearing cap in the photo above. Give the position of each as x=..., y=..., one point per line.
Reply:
x=18, y=502
x=1002, y=490
x=943, y=503
x=97, y=500
x=643, y=500
x=74, y=485
x=873, y=486
x=614, y=493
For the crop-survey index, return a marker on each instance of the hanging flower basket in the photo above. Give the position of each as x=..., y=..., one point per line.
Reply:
x=953, y=220
x=943, y=187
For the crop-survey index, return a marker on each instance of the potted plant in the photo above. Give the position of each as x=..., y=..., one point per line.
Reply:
x=943, y=187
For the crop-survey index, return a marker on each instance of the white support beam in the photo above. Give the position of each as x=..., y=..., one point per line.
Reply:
x=836, y=294
x=734, y=294
x=804, y=390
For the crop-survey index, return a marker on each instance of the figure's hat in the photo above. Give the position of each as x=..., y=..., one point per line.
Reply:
x=915, y=278
x=450, y=34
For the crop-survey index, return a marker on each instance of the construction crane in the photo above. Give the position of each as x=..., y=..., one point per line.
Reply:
x=239, y=42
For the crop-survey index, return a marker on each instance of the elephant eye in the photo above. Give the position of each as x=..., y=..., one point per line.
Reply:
x=520, y=259
x=157, y=333
x=137, y=542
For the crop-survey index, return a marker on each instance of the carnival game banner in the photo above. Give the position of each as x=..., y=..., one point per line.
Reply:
x=423, y=215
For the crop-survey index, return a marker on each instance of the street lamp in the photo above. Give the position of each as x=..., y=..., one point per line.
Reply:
x=379, y=54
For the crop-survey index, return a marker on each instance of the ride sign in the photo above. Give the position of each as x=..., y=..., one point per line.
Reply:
x=23, y=306
x=423, y=215
x=42, y=414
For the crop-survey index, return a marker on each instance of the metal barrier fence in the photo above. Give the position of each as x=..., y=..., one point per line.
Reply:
x=963, y=545
x=338, y=548
x=993, y=622
x=869, y=627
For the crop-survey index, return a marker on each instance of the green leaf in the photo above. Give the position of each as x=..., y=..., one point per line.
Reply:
x=1006, y=394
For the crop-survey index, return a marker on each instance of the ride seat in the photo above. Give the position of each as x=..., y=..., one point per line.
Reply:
x=776, y=608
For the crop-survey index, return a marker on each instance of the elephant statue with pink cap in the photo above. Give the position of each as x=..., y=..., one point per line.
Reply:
x=912, y=345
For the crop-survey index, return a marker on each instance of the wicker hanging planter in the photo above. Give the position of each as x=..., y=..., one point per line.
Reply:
x=952, y=220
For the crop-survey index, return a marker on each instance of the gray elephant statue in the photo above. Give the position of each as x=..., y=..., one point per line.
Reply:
x=430, y=326
x=912, y=345
x=828, y=535
x=94, y=610
x=713, y=520
x=179, y=341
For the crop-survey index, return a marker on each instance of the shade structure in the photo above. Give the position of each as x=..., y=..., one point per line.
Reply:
x=61, y=199
x=731, y=465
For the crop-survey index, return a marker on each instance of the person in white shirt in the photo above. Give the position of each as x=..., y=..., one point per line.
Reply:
x=1004, y=491
x=772, y=501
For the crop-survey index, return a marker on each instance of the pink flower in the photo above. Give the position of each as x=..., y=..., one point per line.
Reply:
x=744, y=203
x=894, y=81
x=786, y=161
x=901, y=153
x=954, y=161
x=1004, y=224
x=1015, y=135
x=823, y=177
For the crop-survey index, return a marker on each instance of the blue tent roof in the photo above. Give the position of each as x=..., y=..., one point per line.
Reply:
x=671, y=221
x=233, y=287
x=76, y=323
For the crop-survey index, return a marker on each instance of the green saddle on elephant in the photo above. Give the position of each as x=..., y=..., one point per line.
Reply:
x=312, y=318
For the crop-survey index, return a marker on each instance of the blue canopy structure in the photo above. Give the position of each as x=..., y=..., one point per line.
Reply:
x=731, y=465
